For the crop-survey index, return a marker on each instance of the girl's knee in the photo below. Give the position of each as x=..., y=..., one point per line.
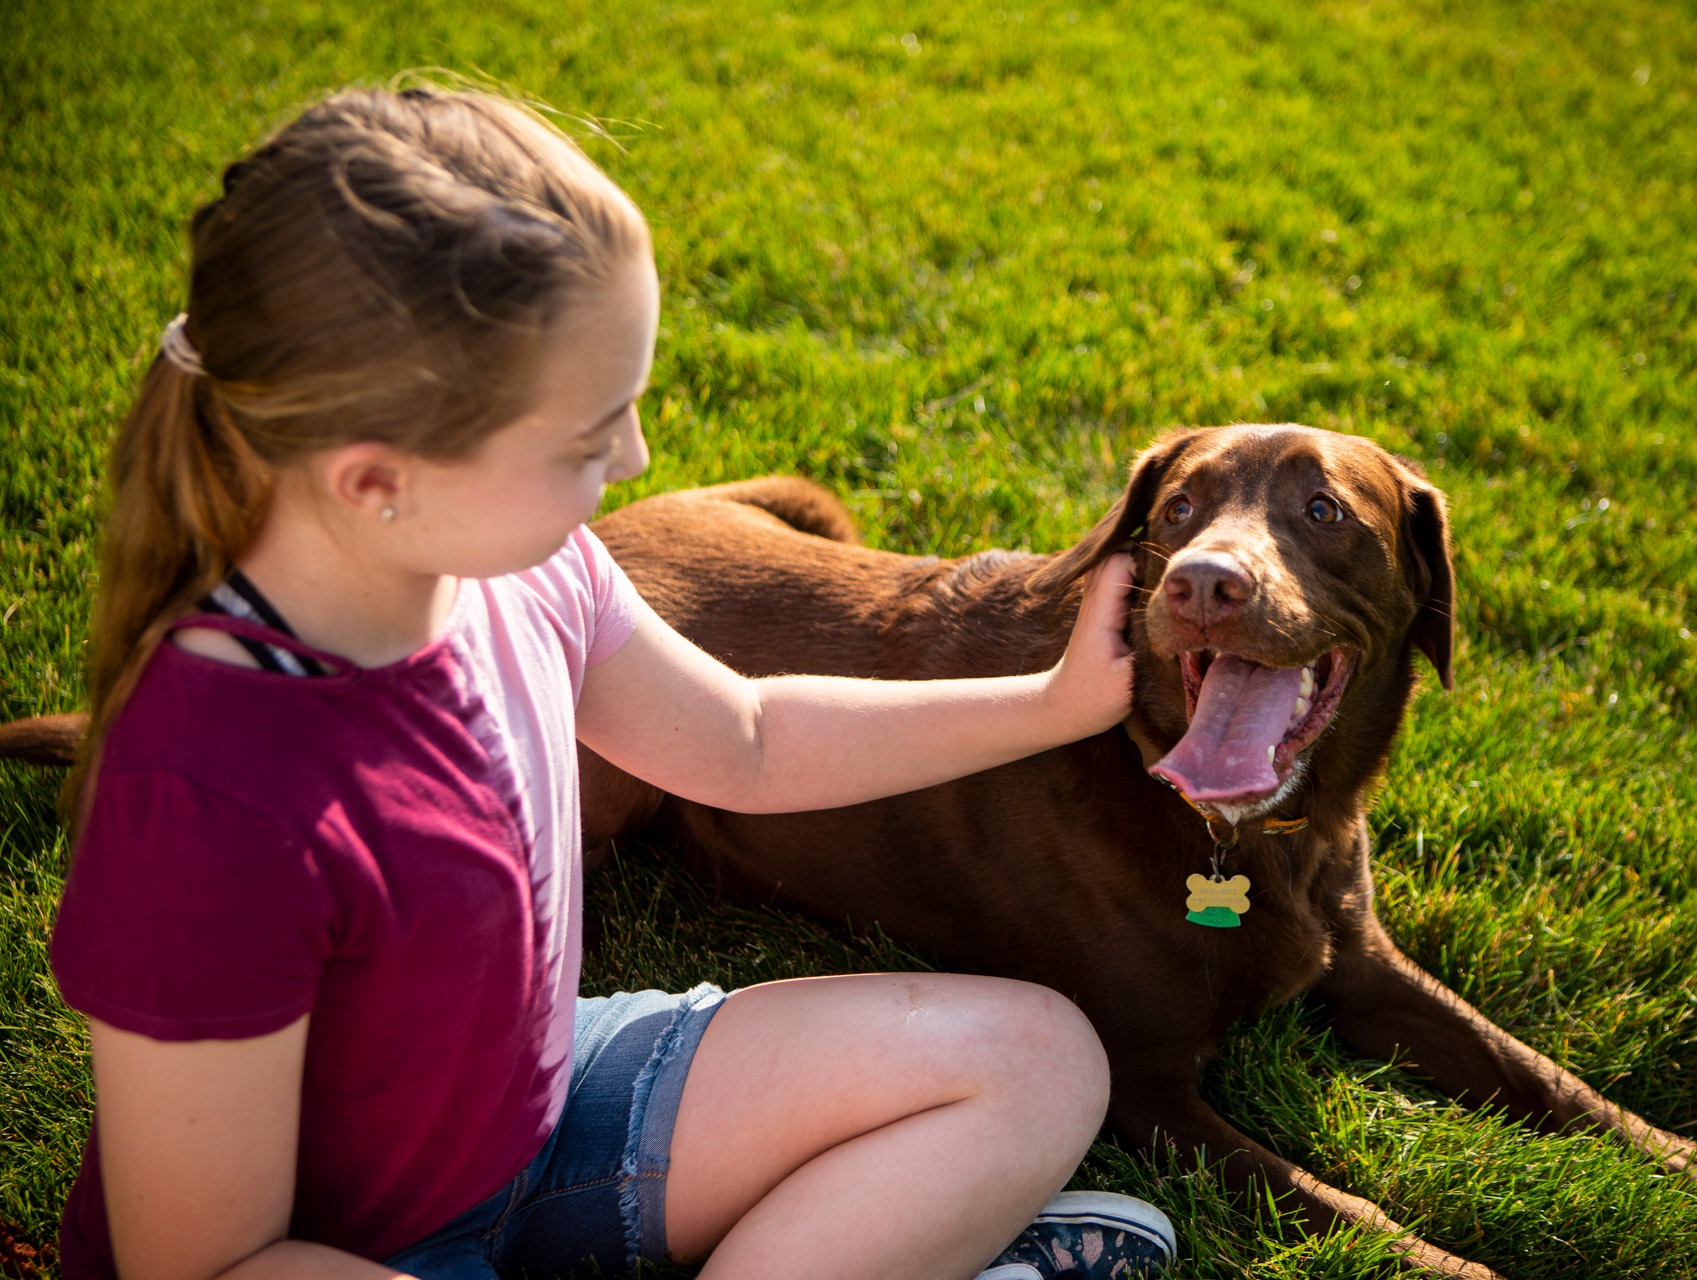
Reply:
x=1065, y=1047
x=1038, y=1047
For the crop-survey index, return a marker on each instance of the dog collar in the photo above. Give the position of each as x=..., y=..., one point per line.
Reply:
x=1269, y=826
x=1214, y=901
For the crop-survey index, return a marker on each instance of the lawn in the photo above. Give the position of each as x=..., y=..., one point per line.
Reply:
x=960, y=264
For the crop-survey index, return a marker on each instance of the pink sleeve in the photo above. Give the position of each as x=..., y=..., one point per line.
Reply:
x=188, y=915
x=584, y=569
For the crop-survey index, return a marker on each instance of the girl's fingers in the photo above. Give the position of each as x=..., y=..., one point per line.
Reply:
x=1098, y=658
x=1107, y=594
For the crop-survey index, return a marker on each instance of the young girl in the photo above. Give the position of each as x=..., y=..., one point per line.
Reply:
x=323, y=913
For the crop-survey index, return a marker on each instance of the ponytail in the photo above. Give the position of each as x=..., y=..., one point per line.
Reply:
x=188, y=497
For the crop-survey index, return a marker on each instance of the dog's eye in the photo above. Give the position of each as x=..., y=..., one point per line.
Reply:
x=1177, y=510
x=1323, y=510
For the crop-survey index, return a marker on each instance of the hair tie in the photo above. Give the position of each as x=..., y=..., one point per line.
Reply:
x=177, y=348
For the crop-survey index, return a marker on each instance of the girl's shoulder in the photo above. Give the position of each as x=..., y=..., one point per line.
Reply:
x=273, y=740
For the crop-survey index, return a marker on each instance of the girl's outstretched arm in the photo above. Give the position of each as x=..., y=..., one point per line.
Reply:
x=197, y=1155
x=667, y=712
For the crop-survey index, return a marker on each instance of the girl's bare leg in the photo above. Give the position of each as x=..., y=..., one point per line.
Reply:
x=898, y=1126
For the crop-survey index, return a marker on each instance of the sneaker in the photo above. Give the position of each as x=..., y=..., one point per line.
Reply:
x=1091, y=1235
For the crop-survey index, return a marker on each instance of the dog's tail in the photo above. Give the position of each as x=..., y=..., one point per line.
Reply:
x=44, y=739
x=799, y=503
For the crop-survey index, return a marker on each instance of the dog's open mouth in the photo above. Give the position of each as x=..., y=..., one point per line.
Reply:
x=1249, y=723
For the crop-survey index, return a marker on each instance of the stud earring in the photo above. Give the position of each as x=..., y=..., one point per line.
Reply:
x=388, y=515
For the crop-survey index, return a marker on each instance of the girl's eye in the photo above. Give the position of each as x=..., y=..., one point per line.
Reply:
x=1323, y=510
x=600, y=452
x=1178, y=510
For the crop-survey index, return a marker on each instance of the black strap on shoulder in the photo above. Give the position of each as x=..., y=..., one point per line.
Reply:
x=263, y=609
x=252, y=603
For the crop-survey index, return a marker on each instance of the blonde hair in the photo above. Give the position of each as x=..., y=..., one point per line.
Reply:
x=382, y=268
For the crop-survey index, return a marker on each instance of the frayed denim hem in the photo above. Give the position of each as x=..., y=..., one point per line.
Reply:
x=655, y=1095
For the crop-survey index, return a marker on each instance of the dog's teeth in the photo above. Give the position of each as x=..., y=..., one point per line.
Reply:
x=1269, y=755
x=1307, y=685
x=1301, y=708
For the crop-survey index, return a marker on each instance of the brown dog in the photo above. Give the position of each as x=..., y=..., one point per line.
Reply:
x=1286, y=578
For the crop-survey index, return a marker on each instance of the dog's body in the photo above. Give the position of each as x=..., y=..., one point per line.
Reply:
x=1261, y=552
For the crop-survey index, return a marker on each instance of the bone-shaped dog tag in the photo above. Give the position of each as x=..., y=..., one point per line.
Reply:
x=1216, y=903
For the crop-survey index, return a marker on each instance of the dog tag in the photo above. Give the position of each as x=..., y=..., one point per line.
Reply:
x=1216, y=903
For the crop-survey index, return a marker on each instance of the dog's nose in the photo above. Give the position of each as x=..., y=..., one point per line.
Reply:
x=1203, y=586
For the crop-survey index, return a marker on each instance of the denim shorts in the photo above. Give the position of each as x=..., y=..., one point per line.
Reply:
x=596, y=1192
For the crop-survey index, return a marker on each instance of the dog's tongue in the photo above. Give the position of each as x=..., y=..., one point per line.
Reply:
x=1242, y=710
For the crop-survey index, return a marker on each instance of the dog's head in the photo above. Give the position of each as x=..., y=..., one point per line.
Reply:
x=1286, y=576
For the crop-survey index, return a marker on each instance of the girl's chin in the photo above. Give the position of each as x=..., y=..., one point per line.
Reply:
x=514, y=560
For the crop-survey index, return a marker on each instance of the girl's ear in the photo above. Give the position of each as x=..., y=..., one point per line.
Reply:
x=1125, y=525
x=365, y=476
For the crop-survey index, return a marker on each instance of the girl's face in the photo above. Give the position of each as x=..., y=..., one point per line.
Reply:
x=516, y=500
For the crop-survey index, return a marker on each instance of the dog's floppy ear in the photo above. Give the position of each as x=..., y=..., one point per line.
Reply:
x=1426, y=543
x=1124, y=525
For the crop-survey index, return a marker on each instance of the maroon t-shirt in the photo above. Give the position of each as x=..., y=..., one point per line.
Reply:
x=394, y=851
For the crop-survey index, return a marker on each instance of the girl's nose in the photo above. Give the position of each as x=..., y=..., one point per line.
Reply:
x=632, y=458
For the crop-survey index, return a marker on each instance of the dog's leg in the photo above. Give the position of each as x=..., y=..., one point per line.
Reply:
x=1151, y=1113
x=1386, y=1005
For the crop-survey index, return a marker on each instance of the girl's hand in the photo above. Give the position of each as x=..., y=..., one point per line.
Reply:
x=1091, y=684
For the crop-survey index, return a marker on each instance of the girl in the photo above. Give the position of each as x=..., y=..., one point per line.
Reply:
x=323, y=914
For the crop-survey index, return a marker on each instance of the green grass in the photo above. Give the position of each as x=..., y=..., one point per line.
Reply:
x=960, y=266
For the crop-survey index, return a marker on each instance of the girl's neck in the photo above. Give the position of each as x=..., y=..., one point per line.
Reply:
x=341, y=597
